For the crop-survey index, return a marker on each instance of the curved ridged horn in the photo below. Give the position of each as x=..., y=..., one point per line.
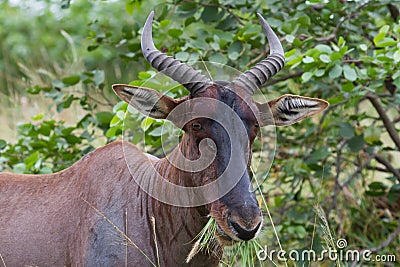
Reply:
x=182, y=73
x=255, y=77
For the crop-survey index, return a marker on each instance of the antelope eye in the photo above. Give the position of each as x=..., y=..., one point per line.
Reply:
x=196, y=126
x=257, y=125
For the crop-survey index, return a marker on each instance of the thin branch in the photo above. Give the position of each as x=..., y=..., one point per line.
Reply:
x=385, y=119
x=284, y=78
x=388, y=166
x=337, y=187
x=379, y=169
x=259, y=57
x=388, y=240
x=357, y=171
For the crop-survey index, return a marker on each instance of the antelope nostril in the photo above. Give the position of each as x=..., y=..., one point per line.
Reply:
x=244, y=234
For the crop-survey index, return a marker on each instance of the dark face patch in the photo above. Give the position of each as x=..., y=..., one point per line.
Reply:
x=237, y=212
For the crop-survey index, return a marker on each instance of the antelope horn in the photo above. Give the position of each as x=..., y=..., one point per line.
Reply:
x=190, y=78
x=258, y=75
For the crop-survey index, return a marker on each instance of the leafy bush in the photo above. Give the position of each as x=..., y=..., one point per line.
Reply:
x=345, y=52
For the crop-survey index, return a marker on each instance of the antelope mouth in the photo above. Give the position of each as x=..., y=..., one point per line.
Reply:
x=223, y=238
x=234, y=233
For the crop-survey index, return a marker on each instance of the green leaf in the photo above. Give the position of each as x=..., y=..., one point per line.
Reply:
x=19, y=168
x=372, y=135
x=182, y=56
x=3, y=144
x=38, y=117
x=218, y=58
x=348, y=87
x=319, y=154
x=306, y=76
x=349, y=73
x=319, y=73
x=210, y=14
x=157, y=131
x=294, y=62
x=146, y=123
x=164, y=23
x=71, y=80
x=98, y=77
x=234, y=50
x=335, y=72
x=308, y=59
x=67, y=103
x=356, y=143
x=130, y=7
x=384, y=29
x=346, y=130
x=396, y=56
x=34, y=90
x=386, y=42
x=394, y=193
x=341, y=41
x=376, y=189
x=142, y=75
x=304, y=21
x=175, y=33
x=72, y=139
x=31, y=160
x=104, y=118
x=324, y=48
x=336, y=56
x=57, y=83
x=363, y=47
x=379, y=37
x=325, y=58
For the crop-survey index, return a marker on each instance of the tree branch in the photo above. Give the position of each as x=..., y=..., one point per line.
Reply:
x=385, y=119
x=388, y=166
x=284, y=78
x=388, y=240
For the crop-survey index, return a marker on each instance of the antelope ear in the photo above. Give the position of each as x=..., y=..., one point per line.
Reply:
x=289, y=109
x=148, y=101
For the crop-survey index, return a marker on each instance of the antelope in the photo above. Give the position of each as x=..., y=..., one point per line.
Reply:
x=84, y=215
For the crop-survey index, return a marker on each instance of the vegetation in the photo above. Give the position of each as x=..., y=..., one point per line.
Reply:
x=334, y=177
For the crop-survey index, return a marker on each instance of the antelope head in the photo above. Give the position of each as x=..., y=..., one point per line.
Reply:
x=227, y=121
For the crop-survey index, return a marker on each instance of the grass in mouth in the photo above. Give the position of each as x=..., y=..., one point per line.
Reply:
x=243, y=251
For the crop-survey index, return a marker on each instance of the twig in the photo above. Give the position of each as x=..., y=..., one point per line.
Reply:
x=338, y=171
x=388, y=166
x=358, y=170
x=385, y=119
x=284, y=78
x=376, y=168
x=388, y=240
x=259, y=57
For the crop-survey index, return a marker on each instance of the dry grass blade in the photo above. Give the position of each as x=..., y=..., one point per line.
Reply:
x=153, y=222
x=270, y=218
x=328, y=237
x=2, y=261
x=129, y=241
x=205, y=239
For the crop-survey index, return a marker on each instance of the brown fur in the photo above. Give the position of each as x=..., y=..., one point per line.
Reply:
x=50, y=220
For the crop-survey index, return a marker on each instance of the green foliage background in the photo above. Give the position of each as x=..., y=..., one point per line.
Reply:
x=65, y=56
